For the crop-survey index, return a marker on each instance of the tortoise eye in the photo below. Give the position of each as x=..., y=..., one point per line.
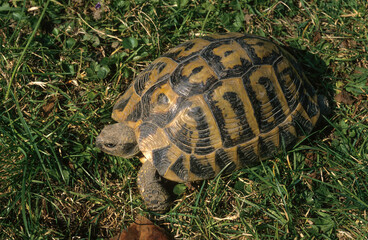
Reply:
x=162, y=99
x=110, y=145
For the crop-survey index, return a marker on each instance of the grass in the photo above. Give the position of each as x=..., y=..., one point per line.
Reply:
x=64, y=63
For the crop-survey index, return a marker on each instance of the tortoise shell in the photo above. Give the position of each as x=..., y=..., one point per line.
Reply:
x=221, y=101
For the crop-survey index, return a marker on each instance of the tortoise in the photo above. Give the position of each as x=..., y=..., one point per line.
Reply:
x=213, y=104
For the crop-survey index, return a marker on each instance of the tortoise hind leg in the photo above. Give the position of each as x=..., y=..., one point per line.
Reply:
x=154, y=189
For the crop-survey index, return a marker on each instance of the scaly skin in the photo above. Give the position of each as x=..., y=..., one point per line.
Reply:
x=154, y=189
x=119, y=140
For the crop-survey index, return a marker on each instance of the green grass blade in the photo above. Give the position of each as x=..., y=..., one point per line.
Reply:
x=20, y=59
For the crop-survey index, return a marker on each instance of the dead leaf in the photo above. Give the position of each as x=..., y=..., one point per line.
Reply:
x=361, y=97
x=97, y=14
x=344, y=97
x=310, y=158
x=142, y=229
x=49, y=106
x=344, y=44
x=317, y=36
x=248, y=18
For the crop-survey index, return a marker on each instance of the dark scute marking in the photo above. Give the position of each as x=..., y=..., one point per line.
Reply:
x=136, y=113
x=267, y=84
x=309, y=106
x=141, y=79
x=223, y=160
x=247, y=156
x=144, y=76
x=197, y=70
x=174, y=55
x=313, y=109
x=147, y=129
x=279, y=115
x=205, y=150
x=201, y=170
x=215, y=62
x=120, y=106
x=161, y=66
x=184, y=87
x=160, y=160
x=203, y=145
x=216, y=111
x=197, y=114
x=238, y=107
x=140, y=82
x=290, y=96
x=292, y=60
x=188, y=45
x=287, y=139
x=304, y=89
x=162, y=99
x=165, y=118
x=227, y=53
x=253, y=96
x=160, y=119
x=266, y=148
x=179, y=169
x=180, y=137
x=258, y=60
x=302, y=125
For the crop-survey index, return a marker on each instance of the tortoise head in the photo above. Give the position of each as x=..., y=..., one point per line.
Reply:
x=118, y=139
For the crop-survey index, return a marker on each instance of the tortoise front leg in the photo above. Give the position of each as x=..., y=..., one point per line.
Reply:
x=154, y=189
